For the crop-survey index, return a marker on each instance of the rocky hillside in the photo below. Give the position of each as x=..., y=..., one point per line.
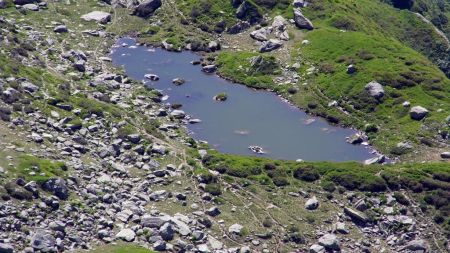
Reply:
x=93, y=161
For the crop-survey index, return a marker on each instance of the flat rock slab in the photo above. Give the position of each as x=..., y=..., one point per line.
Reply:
x=98, y=16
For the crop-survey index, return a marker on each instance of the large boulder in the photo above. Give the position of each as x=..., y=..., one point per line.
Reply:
x=260, y=34
x=375, y=89
x=58, y=187
x=312, y=203
x=147, y=8
x=248, y=11
x=126, y=235
x=270, y=45
x=301, y=21
x=356, y=216
x=329, y=241
x=418, y=113
x=97, y=16
x=43, y=241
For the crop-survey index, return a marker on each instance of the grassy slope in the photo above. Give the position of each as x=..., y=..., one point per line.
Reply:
x=382, y=42
x=375, y=48
x=427, y=183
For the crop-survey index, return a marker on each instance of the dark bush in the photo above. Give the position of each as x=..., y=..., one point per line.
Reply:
x=308, y=174
x=328, y=186
x=279, y=177
x=401, y=198
x=270, y=166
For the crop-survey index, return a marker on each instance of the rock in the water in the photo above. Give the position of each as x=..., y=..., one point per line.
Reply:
x=178, y=114
x=147, y=8
x=375, y=89
x=98, y=16
x=270, y=45
x=312, y=203
x=152, y=77
x=209, y=68
x=301, y=21
x=375, y=160
x=329, y=241
x=126, y=235
x=418, y=113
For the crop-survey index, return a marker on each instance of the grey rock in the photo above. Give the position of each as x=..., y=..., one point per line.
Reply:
x=329, y=241
x=270, y=45
x=445, y=155
x=126, y=235
x=178, y=114
x=60, y=29
x=43, y=241
x=3, y=4
x=97, y=16
x=153, y=222
x=147, y=8
x=375, y=89
x=375, y=160
x=260, y=35
x=29, y=87
x=418, y=112
x=316, y=248
x=235, y=229
x=312, y=203
x=213, y=211
x=31, y=7
x=167, y=232
x=209, y=68
x=301, y=21
x=159, y=245
x=356, y=216
x=300, y=3
x=58, y=187
x=416, y=245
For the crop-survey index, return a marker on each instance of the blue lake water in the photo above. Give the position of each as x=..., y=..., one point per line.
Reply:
x=247, y=118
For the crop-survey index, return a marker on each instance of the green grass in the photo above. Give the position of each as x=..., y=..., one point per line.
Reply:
x=121, y=248
x=43, y=168
x=237, y=67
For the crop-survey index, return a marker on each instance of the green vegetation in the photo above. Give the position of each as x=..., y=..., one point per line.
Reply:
x=32, y=168
x=122, y=248
x=251, y=69
x=428, y=182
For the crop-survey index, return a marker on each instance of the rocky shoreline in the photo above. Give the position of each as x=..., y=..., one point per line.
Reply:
x=101, y=170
